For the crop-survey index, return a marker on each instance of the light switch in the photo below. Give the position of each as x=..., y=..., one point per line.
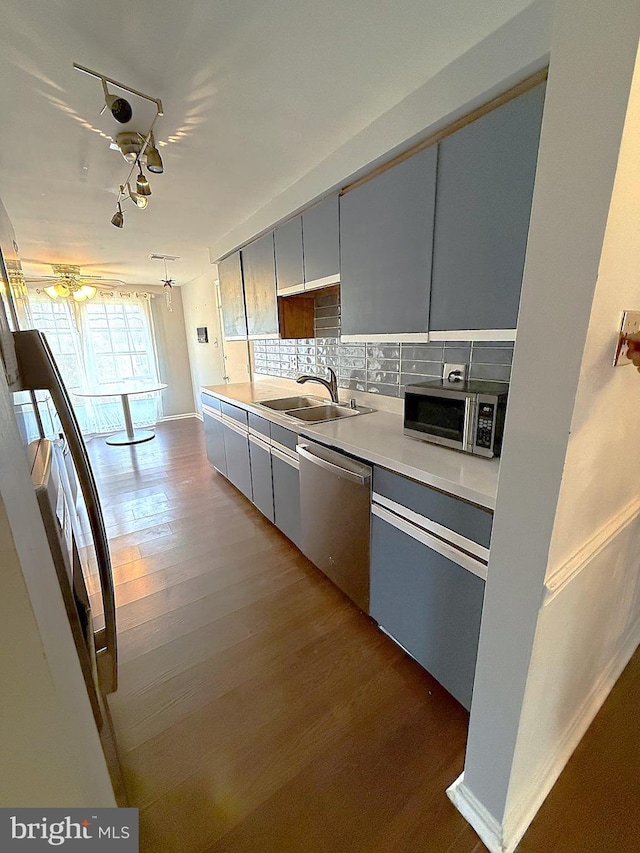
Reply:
x=629, y=325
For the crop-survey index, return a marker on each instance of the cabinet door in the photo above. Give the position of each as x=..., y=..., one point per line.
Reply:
x=261, y=477
x=289, y=266
x=429, y=604
x=236, y=446
x=232, y=297
x=321, y=242
x=486, y=173
x=286, y=495
x=386, y=235
x=259, y=273
x=214, y=440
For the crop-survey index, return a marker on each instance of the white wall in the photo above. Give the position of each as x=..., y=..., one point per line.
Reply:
x=51, y=753
x=200, y=309
x=507, y=56
x=530, y=700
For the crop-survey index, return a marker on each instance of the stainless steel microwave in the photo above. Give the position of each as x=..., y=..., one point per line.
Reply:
x=467, y=416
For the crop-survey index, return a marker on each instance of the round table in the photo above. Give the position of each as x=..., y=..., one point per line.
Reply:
x=124, y=390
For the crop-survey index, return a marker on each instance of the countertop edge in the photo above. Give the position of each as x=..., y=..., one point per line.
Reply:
x=421, y=475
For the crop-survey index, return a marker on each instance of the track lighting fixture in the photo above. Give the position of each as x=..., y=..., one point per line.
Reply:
x=142, y=185
x=118, y=217
x=138, y=149
x=119, y=107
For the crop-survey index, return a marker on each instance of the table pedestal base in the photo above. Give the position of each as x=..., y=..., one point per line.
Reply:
x=138, y=436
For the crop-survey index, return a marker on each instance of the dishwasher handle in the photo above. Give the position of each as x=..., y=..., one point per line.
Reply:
x=361, y=476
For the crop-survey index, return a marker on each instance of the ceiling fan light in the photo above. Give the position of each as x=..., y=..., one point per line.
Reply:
x=51, y=291
x=142, y=185
x=85, y=291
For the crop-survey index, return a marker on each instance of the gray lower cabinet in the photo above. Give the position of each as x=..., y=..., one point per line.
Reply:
x=214, y=441
x=261, y=476
x=236, y=446
x=234, y=319
x=429, y=604
x=286, y=494
x=386, y=236
x=486, y=173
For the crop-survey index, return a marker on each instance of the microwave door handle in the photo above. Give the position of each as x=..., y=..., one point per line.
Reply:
x=38, y=371
x=469, y=421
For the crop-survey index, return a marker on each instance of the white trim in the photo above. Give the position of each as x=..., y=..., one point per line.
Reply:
x=481, y=820
x=260, y=442
x=234, y=425
x=271, y=336
x=199, y=417
x=212, y=413
x=475, y=335
x=525, y=810
x=236, y=338
x=285, y=457
x=286, y=451
x=418, y=338
x=463, y=560
x=439, y=529
x=257, y=433
x=179, y=417
x=568, y=570
x=317, y=283
x=291, y=289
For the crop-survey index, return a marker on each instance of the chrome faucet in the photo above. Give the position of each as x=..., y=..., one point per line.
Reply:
x=331, y=385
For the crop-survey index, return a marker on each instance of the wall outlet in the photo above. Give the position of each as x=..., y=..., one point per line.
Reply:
x=629, y=325
x=454, y=373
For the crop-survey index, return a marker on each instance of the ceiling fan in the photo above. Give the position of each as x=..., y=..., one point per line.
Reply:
x=67, y=281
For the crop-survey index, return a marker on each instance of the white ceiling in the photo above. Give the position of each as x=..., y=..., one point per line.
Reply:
x=255, y=94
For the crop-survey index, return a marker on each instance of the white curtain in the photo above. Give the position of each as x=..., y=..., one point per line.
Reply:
x=96, y=343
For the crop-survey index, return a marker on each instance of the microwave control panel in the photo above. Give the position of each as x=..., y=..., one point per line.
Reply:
x=484, y=431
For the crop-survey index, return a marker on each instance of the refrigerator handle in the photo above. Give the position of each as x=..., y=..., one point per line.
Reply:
x=39, y=372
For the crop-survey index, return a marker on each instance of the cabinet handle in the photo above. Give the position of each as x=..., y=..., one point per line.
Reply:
x=338, y=470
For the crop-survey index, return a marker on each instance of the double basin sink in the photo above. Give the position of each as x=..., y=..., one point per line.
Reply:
x=311, y=409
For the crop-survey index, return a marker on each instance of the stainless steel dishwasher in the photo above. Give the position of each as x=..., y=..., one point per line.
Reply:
x=335, y=514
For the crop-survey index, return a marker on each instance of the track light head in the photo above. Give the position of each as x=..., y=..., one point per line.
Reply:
x=141, y=201
x=154, y=160
x=142, y=185
x=118, y=217
x=120, y=108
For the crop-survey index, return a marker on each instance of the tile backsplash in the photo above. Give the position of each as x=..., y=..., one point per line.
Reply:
x=379, y=368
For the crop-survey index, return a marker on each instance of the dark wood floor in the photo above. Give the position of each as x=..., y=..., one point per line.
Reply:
x=258, y=710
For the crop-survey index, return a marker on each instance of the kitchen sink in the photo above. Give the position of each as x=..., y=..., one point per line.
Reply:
x=284, y=403
x=311, y=409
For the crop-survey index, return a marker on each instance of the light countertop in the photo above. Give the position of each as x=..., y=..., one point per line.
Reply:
x=377, y=438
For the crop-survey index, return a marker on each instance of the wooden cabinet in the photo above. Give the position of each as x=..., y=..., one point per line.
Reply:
x=386, y=235
x=259, y=273
x=486, y=173
x=321, y=242
x=234, y=319
x=289, y=263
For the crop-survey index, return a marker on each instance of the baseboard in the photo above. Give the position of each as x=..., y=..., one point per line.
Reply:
x=504, y=838
x=520, y=815
x=179, y=417
x=472, y=810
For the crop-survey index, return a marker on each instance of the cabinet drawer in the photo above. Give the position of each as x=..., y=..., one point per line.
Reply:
x=429, y=604
x=234, y=412
x=258, y=424
x=470, y=521
x=285, y=437
x=210, y=400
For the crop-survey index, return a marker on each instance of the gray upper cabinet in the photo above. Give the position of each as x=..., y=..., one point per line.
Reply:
x=486, y=172
x=232, y=297
x=386, y=235
x=289, y=264
x=321, y=241
x=259, y=272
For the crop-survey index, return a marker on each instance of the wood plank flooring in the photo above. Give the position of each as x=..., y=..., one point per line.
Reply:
x=258, y=709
